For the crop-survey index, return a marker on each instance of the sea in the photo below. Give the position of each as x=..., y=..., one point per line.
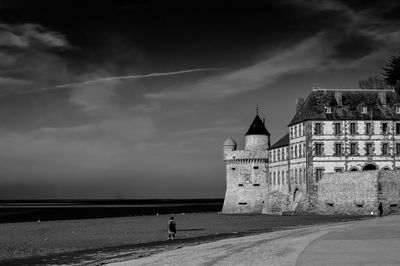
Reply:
x=50, y=210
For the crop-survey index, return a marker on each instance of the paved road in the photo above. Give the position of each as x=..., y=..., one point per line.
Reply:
x=368, y=242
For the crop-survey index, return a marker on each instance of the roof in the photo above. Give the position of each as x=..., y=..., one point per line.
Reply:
x=284, y=141
x=257, y=127
x=230, y=142
x=347, y=105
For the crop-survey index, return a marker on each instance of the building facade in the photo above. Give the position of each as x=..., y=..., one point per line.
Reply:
x=332, y=131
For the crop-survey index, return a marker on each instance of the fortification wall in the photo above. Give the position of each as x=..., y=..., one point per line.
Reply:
x=348, y=193
x=246, y=184
x=389, y=190
x=245, y=155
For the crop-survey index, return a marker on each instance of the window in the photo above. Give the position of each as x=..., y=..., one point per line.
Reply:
x=295, y=131
x=233, y=168
x=300, y=176
x=291, y=152
x=274, y=159
x=353, y=148
x=283, y=177
x=384, y=128
x=338, y=149
x=270, y=178
x=279, y=178
x=318, y=149
x=318, y=129
x=287, y=177
x=398, y=128
x=295, y=151
x=291, y=132
x=274, y=178
x=255, y=167
x=384, y=149
x=368, y=150
x=337, y=128
x=295, y=176
x=397, y=148
x=368, y=129
x=364, y=110
x=279, y=154
x=352, y=128
x=338, y=170
x=300, y=154
x=328, y=109
x=318, y=174
x=300, y=132
x=397, y=109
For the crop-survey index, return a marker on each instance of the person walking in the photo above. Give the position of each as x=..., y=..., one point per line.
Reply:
x=380, y=209
x=171, y=228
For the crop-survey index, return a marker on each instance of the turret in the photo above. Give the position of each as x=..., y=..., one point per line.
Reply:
x=257, y=137
x=229, y=145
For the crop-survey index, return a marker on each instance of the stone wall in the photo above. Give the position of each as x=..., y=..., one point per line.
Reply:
x=389, y=190
x=246, y=184
x=348, y=193
x=277, y=202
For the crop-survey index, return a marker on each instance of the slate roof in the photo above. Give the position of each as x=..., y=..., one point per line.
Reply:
x=257, y=127
x=314, y=106
x=282, y=142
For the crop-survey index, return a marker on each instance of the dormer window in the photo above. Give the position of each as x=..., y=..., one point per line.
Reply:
x=328, y=109
x=364, y=110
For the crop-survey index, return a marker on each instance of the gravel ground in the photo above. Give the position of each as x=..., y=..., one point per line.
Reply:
x=33, y=239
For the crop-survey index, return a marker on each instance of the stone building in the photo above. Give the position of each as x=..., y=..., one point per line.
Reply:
x=332, y=131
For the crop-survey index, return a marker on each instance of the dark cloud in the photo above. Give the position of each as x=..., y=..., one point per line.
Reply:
x=354, y=45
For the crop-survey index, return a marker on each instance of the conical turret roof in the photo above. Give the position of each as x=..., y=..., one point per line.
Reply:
x=257, y=127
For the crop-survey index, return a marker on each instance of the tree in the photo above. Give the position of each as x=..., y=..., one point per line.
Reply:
x=391, y=72
x=373, y=83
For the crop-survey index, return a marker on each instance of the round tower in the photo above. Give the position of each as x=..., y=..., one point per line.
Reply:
x=229, y=145
x=257, y=137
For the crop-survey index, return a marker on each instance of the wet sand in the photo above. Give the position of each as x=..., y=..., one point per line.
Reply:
x=116, y=239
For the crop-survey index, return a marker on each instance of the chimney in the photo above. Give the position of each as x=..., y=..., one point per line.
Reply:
x=299, y=103
x=382, y=98
x=338, y=97
x=316, y=87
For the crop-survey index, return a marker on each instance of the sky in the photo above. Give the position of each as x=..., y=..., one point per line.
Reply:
x=133, y=99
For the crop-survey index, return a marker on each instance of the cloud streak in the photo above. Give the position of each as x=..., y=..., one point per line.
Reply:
x=162, y=74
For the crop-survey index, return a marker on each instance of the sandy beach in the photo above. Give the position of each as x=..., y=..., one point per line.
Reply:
x=119, y=239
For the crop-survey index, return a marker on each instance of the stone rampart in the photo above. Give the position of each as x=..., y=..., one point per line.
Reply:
x=348, y=193
x=389, y=190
